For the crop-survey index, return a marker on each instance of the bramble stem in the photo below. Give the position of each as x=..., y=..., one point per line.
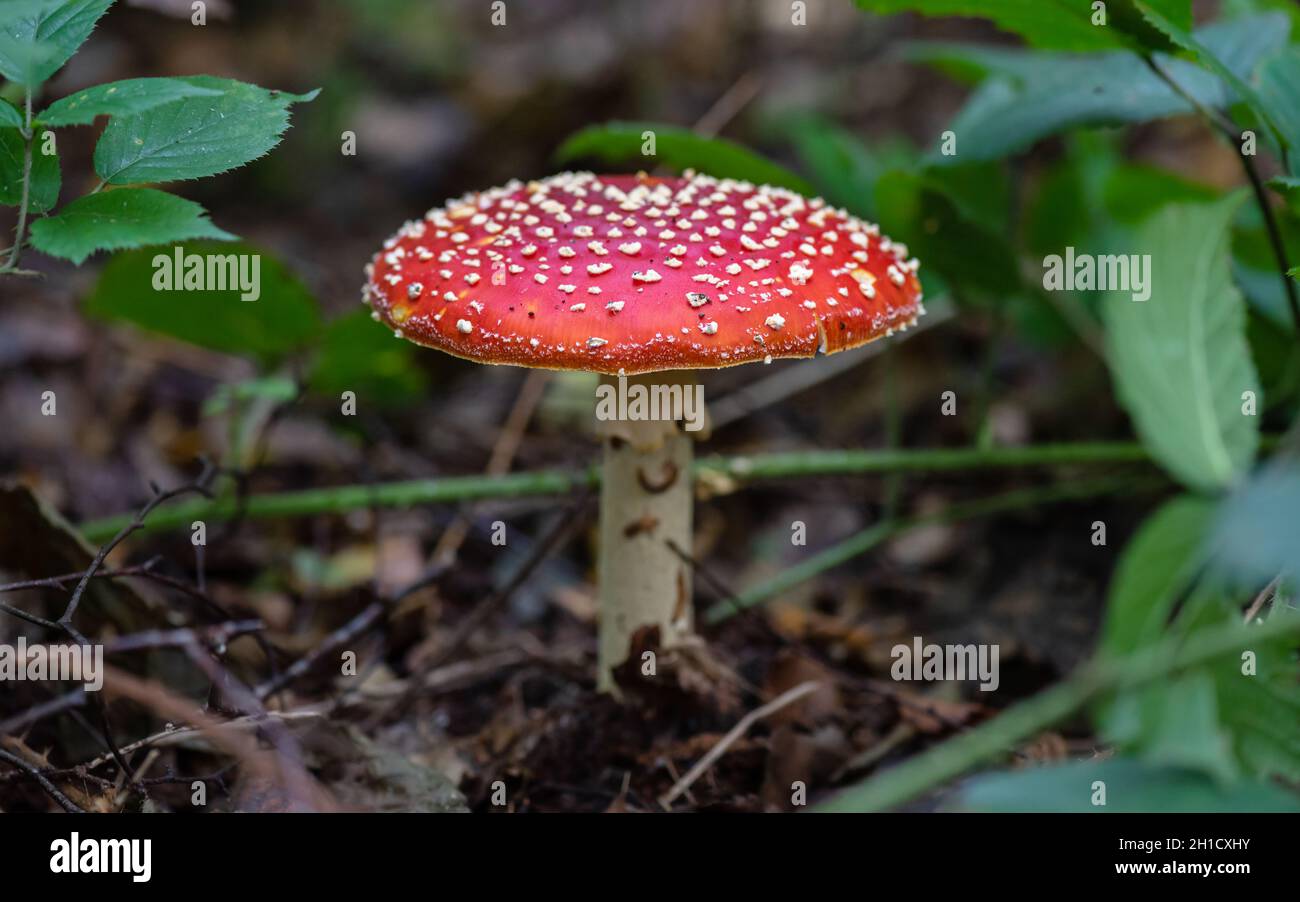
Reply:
x=28, y=137
x=955, y=757
x=454, y=489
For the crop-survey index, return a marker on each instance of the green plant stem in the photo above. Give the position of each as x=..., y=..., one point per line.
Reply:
x=861, y=542
x=453, y=489
x=955, y=757
x=28, y=137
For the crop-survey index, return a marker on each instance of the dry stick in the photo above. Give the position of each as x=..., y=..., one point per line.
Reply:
x=200, y=486
x=729, y=105
x=139, y=571
x=53, y=791
x=1264, y=595
x=218, y=634
x=296, y=775
x=64, y=623
x=740, y=729
x=74, y=699
x=555, y=539
x=183, y=734
x=175, y=708
x=360, y=624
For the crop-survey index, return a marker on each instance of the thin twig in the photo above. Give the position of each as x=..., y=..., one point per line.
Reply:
x=688, y=779
x=1264, y=595
x=74, y=699
x=200, y=486
x=53, y=791
x=555, y=538
x=1229, y=132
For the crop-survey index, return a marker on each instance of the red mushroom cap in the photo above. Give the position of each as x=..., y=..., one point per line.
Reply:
x=634, y=273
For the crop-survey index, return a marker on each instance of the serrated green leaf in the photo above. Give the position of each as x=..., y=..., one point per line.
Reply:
x=1180, y=360
x=36, y=39
x=127, y=218
x=283, y=319
x=1208, y=719
x=46, y=178
x=1131, y=786
x=360, y=355
x=10, y=115
x=195, y=137
x=678, y=148
x=120, y=98
x=1258, y=706
x=1029, y=95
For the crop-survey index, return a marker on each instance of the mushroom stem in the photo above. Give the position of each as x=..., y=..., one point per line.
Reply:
x=645, y=508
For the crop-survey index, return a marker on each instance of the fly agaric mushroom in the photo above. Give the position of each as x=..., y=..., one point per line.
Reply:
x=632, y=275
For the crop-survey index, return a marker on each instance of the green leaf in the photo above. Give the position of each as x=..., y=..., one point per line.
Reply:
x=284, y=318
x=1256, y=537
x=120, y=98
x=197, y=136
x=1131, y=786
x=1180, y=359
x=843, y=169
x=1154, y=568
x=230, y=395
x=10, y=115
x=1050, y=24
x=1133, y=192
x=1209, y=58
x=1258, y=706
x=1213, y=719
x=1028, y=96
x=1054, y=24
x=46, y=177
x=36, y=39
x=973, y=258
x=360, y=355
x=1279, y=92
x=127, y=218
x=678, y=148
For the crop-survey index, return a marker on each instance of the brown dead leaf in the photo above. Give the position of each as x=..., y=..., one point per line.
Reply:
x=790, y=668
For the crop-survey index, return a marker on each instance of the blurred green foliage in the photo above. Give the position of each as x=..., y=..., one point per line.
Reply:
x=284, y=318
